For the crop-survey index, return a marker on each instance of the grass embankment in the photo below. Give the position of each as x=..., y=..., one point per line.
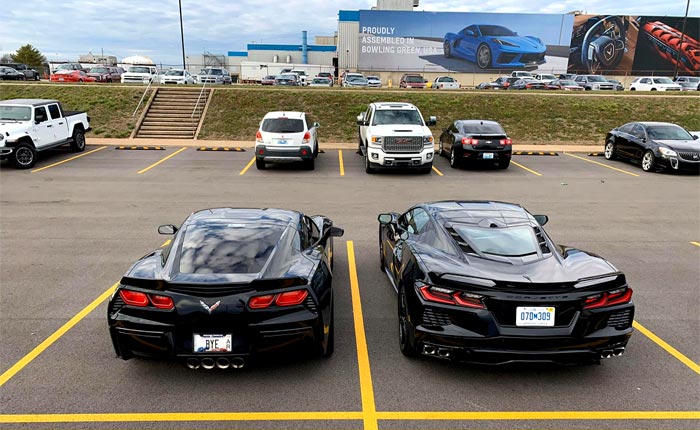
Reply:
x=109, y=107
x=528, y=118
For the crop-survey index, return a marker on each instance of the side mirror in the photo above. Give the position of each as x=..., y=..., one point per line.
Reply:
x=360, y=120
x=385, y=218
x=336, y=232
x=541, y=219
x=431, y=121
x=317, y=125
x=469, y=33
x=167, y=229
x=695, y=137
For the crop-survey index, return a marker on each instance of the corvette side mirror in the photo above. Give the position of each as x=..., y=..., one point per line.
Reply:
x=541, y=219
x=385, y=218
x=167, y=229
x=336, y=231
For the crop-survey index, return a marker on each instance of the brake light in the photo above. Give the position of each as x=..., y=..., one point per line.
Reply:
x=451, y=297
x=161, y=302
x=507, y=141
x=261, y=302
x=291, y=298
x=134, y=298
x=470, y=141
x=608, y=298
x=258, y=137
x=307, y=137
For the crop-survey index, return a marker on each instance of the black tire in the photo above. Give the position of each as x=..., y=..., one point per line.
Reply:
x=427, y=169
x=24, y=156
x=653, y=89
x=405, y=331
x=455, y=162
x=368, y=165
x=310, y=164
x=78, y=142
x=330, y=340
x=503, y=163
x=260, y=164
x=441, y=149
x=447, y=50
x=381, y=252
x=648, y=161
x=633, y=89
x=609, y=152
x=316, y=150
x=483, y=56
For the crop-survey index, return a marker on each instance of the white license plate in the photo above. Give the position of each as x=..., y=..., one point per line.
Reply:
x=281, y=142
x=61, y=79
x=526, y=316
x=488, y=155
x=212, y=343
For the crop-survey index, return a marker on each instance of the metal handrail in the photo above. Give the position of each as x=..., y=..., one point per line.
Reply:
x=143, y=96
x=198, y=98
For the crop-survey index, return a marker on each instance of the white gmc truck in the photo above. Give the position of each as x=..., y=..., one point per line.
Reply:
x=394, y=135
x=28, y=126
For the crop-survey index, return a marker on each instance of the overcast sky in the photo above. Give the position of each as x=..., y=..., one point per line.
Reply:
x=65, y=29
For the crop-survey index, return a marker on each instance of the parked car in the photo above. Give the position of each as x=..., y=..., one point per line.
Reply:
x=489, y=86
x=654, y=83
x=30, y=126
x=527, y=84
x=286, y=137
x=328, y=75
x=568, y=76
x=494, y=46
x=177, y=76
x=374, y=82
x=594, y=83
x=481, y=281
x=71, y=76
x=545, y=78
x=476, y=141
x=105, y=74
x=346, y=76
x=288, y=79
x=412, y=81
x=618, y=85
x=321, y=82
x=233, y=284
x=521, y=74
x=214, y=75
x=355, y=81
x=504, y=82
x=140, y=75
x=10, y=74
x=564, y=84
x=445, y=83
x=268, y=80
x=688, y=83
x=28, y=72
x=70, y=66
x=303, y=77
x=656, y=145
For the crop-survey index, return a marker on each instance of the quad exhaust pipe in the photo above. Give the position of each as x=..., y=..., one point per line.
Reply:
x=209, y=363
x=614, y=352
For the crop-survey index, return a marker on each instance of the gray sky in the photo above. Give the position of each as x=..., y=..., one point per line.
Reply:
x=65, y=29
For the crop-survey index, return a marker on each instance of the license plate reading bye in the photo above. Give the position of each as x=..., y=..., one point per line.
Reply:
x=212, y=343
x=526, y=316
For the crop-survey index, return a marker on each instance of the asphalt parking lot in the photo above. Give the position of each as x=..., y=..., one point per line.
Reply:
x=72, y=226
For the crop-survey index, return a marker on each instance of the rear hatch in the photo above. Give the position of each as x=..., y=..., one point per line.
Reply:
x=282, y=131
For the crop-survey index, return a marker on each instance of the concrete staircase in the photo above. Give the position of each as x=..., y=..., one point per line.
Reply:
x=169, y=116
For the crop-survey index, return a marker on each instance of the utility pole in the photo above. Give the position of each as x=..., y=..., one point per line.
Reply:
x=182, y=35
x=678, y=52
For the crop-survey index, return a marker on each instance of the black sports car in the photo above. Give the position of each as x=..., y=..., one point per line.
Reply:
x=482, y=282
x=657, y=145
x=475, y=140
x=232, y=283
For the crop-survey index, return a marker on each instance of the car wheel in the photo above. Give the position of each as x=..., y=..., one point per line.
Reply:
x=633, y=89
x=653, y=89
x=78, y=142
x=381, y=252
x=447, y=50
x=648, y=161
x=441, y=150
x=405, y=330
x=326, y=350
x=24, y=156
x=427, y=169
x=503, y=163
x=483, y=56
x=316, y=150
x=260, y=163
x=310, y=164
x=454, y=161
x=368, y=165
x=609, y=153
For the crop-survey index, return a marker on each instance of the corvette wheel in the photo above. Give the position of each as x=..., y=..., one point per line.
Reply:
x=326, y=342
x=483, y=57
x=648, y=161
x=405, y=331
x=447, y=50
x=609, y=153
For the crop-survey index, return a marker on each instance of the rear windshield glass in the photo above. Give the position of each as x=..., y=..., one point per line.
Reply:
x=506, y=242
x=225, y=247
x=99, y=70
x=417, y=79
x=139, y=70
x=174, y=73
x=283, y=125
x=668, y=132
x=482, y=129
x=399, y=116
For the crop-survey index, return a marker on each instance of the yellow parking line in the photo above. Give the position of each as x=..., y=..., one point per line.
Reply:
x=526, y=168
x=541, y=415
x=340, y=160
x=161, y=160
x=12, y=371
x=696, y=243
x=245, y=169
x=601, y=164
x=68, y=159
x=182, y=416
x=166, y=243
x=369, y=410
x=668, y=348
x=437, y=171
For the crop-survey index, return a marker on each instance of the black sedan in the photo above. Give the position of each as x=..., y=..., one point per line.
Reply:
x=527, y=84
x=656, y=145
x=8, y=73
x=476, y=140
x=482, y=282
x=233, y=283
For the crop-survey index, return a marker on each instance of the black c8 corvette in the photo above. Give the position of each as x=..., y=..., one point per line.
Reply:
x=482, y=282
x=232, y=283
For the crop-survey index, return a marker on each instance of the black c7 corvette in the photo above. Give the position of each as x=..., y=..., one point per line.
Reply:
x=482, y=282
x=231, y=284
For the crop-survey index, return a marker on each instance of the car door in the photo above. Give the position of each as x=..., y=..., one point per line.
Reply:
x=637, y=142
x=59, y=124
x=43, y=128
x=414, y=223
x=623, y=146
x=450, y=137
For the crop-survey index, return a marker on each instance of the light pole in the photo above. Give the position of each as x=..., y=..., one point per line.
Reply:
x=678, y=56
x=182, y=35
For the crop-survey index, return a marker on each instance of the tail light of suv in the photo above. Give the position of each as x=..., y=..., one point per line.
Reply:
x=258, y=137
x=307, y=138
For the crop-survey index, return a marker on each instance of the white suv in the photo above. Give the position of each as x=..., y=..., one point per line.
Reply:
x=652, y=83
x=285, y=137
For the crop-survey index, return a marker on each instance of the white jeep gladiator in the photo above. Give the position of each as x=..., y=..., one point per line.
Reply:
x=28, y=126
x=394, y=135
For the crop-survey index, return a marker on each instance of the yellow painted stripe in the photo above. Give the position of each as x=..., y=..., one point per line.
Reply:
x=437, y=171
x=186, y=416
x=12, y=371
x=526, y=168
x=668, y=348
x=369, y=411
x=245, y=169
x=166, y=243
x=542, y=415
x=340, y=160
x=601, y=164
x=696, y=243
x=161, y=160
x=68, y=159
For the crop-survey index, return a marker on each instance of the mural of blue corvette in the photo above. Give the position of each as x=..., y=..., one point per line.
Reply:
x=494, y=46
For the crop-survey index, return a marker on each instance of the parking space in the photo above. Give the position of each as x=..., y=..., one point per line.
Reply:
x=69, y=232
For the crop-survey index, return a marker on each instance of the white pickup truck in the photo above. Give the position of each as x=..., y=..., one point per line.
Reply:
x=394, y=135
x=28, y=126
x=140, y=75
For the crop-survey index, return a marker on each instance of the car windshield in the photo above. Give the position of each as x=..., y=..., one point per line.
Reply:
x=668, y=132
x=227, y=247
x=495, y=30
x=482, y=129
x=138, y=69
x=282, y=125
x=547, y=77
x=414, y=79
x=321, y=81
x=596, y=79
x=287, y=77
x=99, y=70
x=397, y=116
x=691, y=79
x=662, y=81
x=18, y=113
x=174, y=73
x=215, y=72
x=506, y=242
x=65, y=67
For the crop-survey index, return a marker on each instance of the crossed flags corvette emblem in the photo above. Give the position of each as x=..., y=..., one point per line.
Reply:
x=210, y=308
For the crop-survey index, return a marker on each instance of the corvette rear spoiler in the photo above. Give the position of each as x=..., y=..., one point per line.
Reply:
x=256, y=284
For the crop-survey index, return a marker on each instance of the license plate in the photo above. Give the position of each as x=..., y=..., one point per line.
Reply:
x=534, y=316
x=281, y=142
x=212, y=343
x=61, y=79
x=488, y=155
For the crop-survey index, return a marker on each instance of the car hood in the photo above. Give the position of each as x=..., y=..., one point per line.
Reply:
x=682, y=145
x=400, y=130
x=521, y=41
x=13, y=127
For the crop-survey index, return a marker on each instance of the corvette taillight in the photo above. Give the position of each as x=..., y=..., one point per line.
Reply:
x=451, y=297
x=258, y=137
x=161, y=302
x=134, y=298
x=287, y=298
x=608, y=298
x=261, y=302
x=307, y=137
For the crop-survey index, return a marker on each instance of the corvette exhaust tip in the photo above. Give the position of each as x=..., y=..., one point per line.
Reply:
x=208, y=363
x=222, y=363
x=192, y=363
x=237, y=363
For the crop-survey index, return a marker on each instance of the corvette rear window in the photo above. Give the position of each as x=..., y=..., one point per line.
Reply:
x=227, y=247
x=283, y=125
x=506, y=242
